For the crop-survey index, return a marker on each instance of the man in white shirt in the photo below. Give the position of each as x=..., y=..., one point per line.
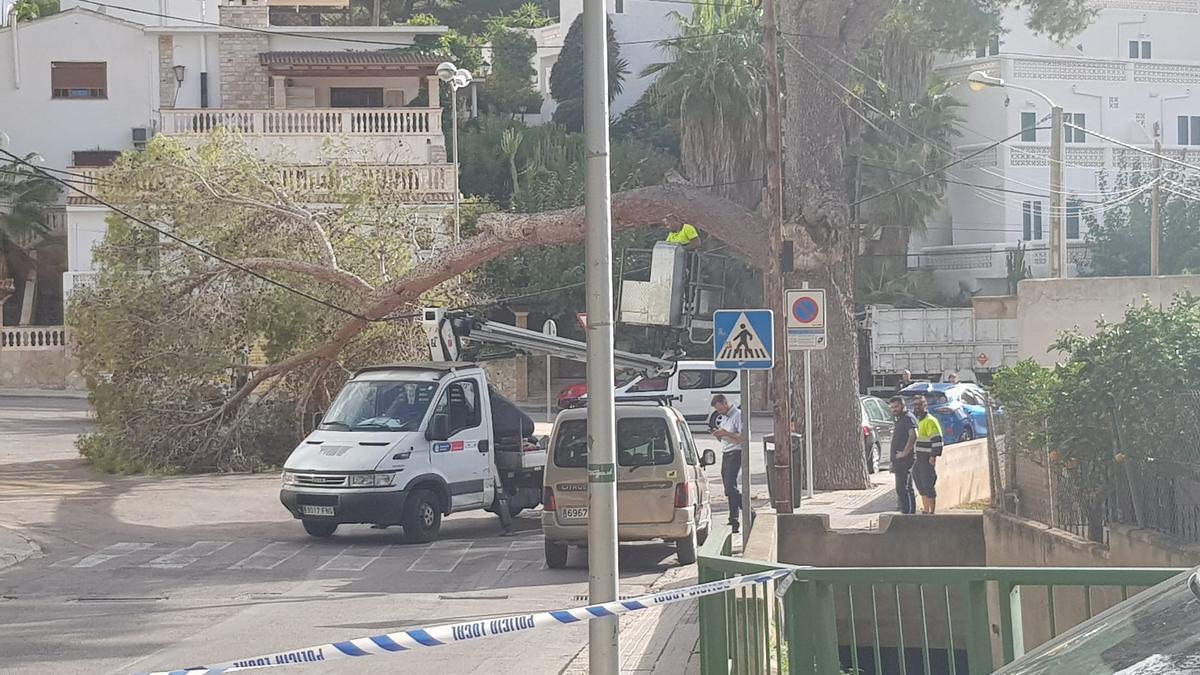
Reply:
x=729, y=432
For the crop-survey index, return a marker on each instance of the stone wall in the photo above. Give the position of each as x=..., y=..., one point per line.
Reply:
x=245, y=84
x=167, y=86
x=39, y=369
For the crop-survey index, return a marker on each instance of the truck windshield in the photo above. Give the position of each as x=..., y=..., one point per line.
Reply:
x=379, y=405
x=641, y=441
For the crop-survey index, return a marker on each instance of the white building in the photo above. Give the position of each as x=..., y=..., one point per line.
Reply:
x=637, y=24
x=84, y=85
x=1134, y=67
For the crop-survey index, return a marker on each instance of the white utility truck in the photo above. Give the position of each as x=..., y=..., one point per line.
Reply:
x=407, y=444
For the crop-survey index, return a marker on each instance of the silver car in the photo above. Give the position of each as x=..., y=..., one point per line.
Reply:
x=877, y=424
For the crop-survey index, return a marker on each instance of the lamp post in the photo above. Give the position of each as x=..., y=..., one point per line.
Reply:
x=457, y=78
x=979, y=80
x=179, y=71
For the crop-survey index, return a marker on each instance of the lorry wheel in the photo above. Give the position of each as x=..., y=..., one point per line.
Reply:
x=319, y=528
x=685, y=549
x=556, y=555
x=422, y=517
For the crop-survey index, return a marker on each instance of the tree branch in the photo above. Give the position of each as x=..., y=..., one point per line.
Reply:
x=348, y=280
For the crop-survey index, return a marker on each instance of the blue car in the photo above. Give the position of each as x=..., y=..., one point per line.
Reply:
x=959, y=408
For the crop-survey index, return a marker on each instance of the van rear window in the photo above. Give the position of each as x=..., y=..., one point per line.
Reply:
x=641, y=441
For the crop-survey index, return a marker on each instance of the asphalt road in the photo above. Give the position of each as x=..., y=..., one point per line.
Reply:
x=149, y=573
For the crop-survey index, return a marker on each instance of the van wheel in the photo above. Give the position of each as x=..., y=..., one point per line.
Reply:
x=556, y=555
x=319, y=528
x=422, y=517
x=685, y=549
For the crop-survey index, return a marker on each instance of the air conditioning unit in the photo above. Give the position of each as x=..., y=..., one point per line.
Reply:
x=142, y=136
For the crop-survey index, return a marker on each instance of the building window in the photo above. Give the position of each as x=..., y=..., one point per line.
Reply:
x=1189, y=129
x=991, y=48
x=620, y=7
x=1139, y=49
x=78, y=79
x=1029, y=127
x=1071, y=134
x=1074, y=210
x=1031, y=220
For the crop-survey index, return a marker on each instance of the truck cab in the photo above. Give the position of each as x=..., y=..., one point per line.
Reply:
x=408, y=444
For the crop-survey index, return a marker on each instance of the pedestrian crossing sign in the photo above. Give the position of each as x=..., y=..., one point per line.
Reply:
x=743, y=339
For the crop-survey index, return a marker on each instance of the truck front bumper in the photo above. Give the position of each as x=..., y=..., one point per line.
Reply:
x=374, y=507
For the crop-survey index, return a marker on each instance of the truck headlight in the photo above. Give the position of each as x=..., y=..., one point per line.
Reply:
x=289, y=478
x=372, y=479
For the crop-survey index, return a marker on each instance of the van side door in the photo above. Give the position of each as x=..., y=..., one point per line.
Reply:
x=693, y=386
x=463, y=458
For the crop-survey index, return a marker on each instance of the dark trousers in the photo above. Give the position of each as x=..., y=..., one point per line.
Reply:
x=731, y=466
x=905, y=498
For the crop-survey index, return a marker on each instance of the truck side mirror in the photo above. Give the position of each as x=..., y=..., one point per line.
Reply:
x=316, y=419
x=708, y=458
x=439, y=427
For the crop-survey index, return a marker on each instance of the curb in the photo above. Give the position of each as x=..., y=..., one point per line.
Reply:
x=16, y=547
x=43, y=393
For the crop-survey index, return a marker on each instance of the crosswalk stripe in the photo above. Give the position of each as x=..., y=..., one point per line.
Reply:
x=441, y=556
x=111, y=553
x=353, y=559
x=188, y=554
x=270, y=556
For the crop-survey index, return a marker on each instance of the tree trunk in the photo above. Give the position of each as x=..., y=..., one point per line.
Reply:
x=817, y=217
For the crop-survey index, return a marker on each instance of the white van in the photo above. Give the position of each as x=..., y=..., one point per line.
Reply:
x=407, y=444
x=691, y=388
x=662, y=490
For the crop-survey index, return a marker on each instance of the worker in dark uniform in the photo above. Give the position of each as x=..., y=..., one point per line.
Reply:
x=904, y=441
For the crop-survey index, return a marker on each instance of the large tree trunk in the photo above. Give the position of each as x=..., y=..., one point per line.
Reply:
x=817, y=218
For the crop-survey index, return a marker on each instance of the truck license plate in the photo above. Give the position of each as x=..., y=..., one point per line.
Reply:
x=573, y=512
x=320, y=510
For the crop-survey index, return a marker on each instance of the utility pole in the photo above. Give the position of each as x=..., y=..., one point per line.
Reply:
x=1156, y=207
x=773, y=278
x=603, y=643
x=1058, y=234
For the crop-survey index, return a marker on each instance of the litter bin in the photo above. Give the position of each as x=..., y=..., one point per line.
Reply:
x=797, y=466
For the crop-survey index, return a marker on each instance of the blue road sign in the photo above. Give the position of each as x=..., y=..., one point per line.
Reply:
x=743, y=339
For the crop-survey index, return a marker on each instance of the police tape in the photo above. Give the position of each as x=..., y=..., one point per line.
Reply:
x=437, y=636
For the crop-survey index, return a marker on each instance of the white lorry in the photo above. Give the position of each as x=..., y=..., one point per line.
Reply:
x=407, y=444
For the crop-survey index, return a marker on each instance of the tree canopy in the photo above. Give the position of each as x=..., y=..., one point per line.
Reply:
x=1118, y=236
x=566, y=77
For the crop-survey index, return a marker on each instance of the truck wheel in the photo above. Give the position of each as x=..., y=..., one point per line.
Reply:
x=556, y=555
x=685, y=549
x=319, y=528
x=422, y=517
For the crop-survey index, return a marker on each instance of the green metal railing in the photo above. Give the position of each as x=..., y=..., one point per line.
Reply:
x=877, y=620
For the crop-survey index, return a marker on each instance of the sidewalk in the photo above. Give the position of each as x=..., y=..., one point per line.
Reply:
x=43, y=393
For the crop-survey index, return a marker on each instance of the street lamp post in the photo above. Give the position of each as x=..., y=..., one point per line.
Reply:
x=977, y=81
x=457, y=78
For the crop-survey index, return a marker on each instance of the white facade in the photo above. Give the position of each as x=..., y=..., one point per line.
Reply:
x=1120, y=93
x=638, y=25
x=293, y=73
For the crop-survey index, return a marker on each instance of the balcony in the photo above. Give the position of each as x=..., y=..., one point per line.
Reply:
x=300, y=136
x=1077, y=155
x=416, y=184
x=33, y=338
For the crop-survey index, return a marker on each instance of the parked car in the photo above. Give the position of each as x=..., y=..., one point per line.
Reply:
x=572, y=396
x=877, y=424
x=662, y=490
x=691, y=389
x=959, y=408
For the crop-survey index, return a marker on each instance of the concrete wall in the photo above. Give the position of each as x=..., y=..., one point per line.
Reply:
x=1048, y=306
x=963, y=475
x=1012, y=541
x=949, y=540
x=39, y=369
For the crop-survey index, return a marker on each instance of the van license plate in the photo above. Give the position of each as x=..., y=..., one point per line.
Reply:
x=320, y=510
x=573, y=512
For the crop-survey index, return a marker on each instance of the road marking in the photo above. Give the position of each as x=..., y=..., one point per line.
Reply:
x=188, y=555
x=354, y=559
x=112, y=552
x=523, y=555
x=270, y=556
x=507, y=565
x=441, y=556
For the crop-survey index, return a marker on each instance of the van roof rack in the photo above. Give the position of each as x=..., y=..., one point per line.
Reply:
x=664, y=400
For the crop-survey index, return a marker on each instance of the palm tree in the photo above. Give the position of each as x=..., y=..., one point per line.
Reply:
x=890, y=157
x=713, y=88
x=24, y=199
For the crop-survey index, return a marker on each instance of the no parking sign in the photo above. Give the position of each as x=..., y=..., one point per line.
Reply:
x=806, y=319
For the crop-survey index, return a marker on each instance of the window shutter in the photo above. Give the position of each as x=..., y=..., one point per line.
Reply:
x=76, y=79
